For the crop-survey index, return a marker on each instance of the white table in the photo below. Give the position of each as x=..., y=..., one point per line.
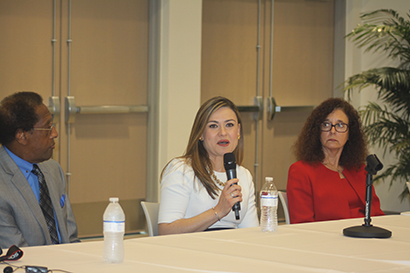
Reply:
x=312, y=247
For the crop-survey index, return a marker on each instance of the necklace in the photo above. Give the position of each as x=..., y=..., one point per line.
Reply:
x=338, y=169
x=219, y=182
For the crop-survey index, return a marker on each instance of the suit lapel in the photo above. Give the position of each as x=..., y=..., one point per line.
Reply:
x=20, y=182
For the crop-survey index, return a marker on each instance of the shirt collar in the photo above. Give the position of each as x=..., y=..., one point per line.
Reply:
x=23, y=165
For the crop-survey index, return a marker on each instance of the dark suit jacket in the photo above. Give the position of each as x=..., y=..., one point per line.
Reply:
x=316, y=193
x=22, y=222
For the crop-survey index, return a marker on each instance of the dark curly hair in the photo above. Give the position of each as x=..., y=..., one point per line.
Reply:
x=308, y=147
x=17, y=111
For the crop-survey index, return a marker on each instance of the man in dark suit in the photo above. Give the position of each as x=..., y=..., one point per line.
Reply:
x=28, y=177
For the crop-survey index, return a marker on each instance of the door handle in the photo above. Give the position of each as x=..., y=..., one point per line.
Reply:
x=257, y=108
x=273, y=108
x=71, y=109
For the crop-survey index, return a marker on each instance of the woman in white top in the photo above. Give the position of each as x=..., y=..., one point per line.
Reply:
x=195, y=193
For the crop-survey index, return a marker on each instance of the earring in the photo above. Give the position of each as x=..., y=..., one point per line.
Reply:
x=239, y=137
x=201, y=139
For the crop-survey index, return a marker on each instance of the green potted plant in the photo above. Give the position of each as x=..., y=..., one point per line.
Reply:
x=388, y=125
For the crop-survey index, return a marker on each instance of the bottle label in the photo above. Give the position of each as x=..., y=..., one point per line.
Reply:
x=269, y=201
x=114, y=226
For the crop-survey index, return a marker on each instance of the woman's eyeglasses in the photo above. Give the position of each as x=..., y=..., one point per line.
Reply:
x=339, y=127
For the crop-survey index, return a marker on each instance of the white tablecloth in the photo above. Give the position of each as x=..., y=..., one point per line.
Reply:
x=312, y=247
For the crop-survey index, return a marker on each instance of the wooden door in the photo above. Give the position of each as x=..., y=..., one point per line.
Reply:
x=94, y=52
x=239, y=62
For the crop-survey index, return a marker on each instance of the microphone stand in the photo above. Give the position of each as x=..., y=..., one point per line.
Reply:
x=367, y=230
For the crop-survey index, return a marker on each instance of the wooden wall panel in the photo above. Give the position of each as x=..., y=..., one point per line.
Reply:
x=302, y=70
x=108, y=65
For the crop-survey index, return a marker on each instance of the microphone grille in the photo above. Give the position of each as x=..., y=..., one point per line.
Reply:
x=229, y=159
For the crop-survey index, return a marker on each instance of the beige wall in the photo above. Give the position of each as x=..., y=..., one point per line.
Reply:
x=179, y=69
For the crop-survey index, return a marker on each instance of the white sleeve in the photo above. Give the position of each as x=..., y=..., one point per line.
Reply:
x=251, y=216
x=176, y=189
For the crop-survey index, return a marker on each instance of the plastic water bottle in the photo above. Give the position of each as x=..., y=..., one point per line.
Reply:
x=114, y=228
x=269, y=206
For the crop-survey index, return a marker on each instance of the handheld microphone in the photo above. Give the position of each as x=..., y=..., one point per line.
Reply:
x=13, y=254
x=230, y=168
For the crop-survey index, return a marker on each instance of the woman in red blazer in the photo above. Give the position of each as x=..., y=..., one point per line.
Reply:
x=328, y=181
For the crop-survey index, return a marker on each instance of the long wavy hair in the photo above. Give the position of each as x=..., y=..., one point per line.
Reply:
x=308, y=147
x=196, y=155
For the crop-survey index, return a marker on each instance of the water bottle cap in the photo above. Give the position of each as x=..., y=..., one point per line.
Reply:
x=269, y=179
x=114, y=199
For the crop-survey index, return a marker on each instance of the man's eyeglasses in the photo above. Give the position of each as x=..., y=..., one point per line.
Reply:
x=44, y=129
x=339, y=127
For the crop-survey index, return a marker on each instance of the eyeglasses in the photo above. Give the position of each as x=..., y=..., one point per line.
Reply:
x=44, y=129
x=339, y=127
